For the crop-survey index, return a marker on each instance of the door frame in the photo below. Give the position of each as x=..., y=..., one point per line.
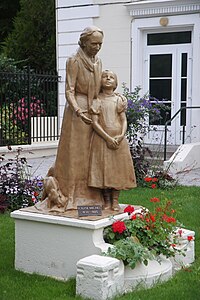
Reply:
x=140, y=26
x=175, y=129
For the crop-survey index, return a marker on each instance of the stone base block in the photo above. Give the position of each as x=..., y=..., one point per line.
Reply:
x=99, y=277
x=51, y=245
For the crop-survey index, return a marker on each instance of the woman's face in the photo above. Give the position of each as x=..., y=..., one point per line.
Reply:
x=93, y=44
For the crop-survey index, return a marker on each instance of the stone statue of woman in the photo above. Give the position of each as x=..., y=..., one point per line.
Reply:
x=70, y=172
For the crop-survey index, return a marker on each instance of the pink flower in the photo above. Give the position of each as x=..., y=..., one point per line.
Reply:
x=180, y=231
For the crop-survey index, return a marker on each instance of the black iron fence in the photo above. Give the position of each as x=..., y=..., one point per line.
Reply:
x=28, y=107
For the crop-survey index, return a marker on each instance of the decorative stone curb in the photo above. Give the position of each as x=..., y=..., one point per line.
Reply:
x=188, y=247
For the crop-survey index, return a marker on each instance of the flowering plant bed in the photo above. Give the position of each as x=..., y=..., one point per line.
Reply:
x=17, y=188
x=160, y=180
x=144, y=235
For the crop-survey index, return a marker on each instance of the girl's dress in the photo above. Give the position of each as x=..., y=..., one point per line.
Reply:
x=110, y=168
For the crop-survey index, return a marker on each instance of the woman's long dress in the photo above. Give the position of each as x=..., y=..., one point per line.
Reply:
x=72, y=161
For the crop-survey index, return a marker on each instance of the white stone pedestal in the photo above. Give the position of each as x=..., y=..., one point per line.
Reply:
x=52, y=245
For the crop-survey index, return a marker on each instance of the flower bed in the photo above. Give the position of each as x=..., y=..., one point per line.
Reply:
x=145, y=235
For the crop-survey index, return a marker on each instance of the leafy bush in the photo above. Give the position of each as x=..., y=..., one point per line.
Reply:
x=161, y=179
x=11, y=131
x=139, y=110
x=7, y=64
x=32, y=39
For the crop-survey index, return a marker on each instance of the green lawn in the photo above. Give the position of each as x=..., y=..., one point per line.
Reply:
x=185, y=285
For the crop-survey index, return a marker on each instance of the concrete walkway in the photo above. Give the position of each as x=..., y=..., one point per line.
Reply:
x=41, y=165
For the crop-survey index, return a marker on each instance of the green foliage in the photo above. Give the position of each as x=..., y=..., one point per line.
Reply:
x=139, y=111
x=33, y=37
x=11, y=132
x=7, y=64
x=130, y=252
x=8, y=10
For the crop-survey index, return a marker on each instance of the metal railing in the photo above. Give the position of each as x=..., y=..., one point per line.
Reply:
x=28, y=107
x=169, y=121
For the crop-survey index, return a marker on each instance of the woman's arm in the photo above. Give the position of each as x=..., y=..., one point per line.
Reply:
x=70, y=86
x=70, y=83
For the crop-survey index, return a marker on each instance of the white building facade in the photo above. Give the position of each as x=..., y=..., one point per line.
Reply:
x=153, y=44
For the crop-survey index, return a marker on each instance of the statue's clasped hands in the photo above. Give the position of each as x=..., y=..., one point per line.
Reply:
x=113, y=143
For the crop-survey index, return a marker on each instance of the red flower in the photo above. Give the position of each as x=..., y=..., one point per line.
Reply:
x=152, y=217
x=154, y=199
x=147, y=179
x=36, y=194
x=118, y=226
x=129, y=209
x=173, y=245
x=168, y=219
x=158, y=209
x=133, y=217
x=171, y=220
x=153, y=186
x=190, y=238
x=154, y=179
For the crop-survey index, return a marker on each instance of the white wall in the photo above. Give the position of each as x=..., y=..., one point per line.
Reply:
x=115, y=21
x=115, y=18
x=71, y=18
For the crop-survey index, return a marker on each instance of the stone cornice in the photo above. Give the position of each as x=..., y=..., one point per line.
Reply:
x=169, y=7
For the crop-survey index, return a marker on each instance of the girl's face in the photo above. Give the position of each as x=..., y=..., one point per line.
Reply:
x=93, y=44
x=108, y=80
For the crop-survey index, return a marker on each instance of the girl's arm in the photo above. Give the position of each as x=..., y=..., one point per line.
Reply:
x=111, y=142
x=123, y=120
